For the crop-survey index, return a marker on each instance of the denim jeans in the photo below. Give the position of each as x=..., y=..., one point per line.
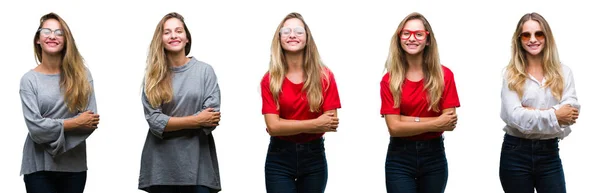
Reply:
x=416, y=166
x=526, y=164
x=178, y=189
x=55, y=182
x=296, y=167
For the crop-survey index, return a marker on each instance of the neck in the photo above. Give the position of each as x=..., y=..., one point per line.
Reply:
x=294, y=61
x=534, y=63
x=415, y=62
x=51, y=63
x=175, y=59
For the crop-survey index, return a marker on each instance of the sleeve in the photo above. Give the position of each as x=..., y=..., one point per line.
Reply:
x=212, y=98
x=331, y=97
x=157, y=120
x=387, y=99
x=449, y=95
x=47, y=132
x=75, y=138
x=527, y=121
x=569, y=95
x=268, y=104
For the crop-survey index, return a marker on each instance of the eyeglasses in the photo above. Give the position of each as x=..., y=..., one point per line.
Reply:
x=418, y=34
x=525, y=36
x=286, y=31
x=47, y=31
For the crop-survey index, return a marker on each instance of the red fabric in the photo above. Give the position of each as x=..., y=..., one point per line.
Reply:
x=414, y=102
x=293, y=104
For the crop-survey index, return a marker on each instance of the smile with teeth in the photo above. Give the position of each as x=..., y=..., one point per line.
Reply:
x=174, y=43
x=52, y=43
x=533, y=46
x=412, y=45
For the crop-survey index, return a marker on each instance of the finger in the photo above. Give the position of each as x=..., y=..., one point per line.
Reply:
x=335, y=119
x=209, y=109
x=335, y=122
x=216, y=120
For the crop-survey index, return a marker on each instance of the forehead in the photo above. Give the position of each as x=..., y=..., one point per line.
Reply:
x=172, y=23
x=52, y=24
x=531, y=25
x=293, y=22
x=414, y=24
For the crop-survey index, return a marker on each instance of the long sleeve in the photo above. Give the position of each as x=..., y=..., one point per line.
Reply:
x=46, y=132
x=212, y=97
x=525, y=120
x=569, y=95
x=157, y=120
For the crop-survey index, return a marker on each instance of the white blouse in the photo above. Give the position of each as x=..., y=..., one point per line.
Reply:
x=537, y=124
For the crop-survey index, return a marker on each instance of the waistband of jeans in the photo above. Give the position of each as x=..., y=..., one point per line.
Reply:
x=281, y=142
x=399, y=140
x=511, y=138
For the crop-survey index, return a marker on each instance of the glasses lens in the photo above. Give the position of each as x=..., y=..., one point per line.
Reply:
x=525, y=36
x=285, y=31
x=420, y=35
x=45, y=31
x=299, y=31
x=539, y=35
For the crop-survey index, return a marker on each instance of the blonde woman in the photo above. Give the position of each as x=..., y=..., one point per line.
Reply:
x=539, y=104
x=418, y=101
x=59, y=108
x=299, y=103
x=181, y=100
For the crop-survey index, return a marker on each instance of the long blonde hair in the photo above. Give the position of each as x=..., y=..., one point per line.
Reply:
x=314, y=69
x=157, y=87
x=516, y=71
x=73, y=76
x=397, y=64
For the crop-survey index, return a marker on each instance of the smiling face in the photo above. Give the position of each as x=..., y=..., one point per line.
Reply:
x=51, y=37
x=293, y=35
x=532, y=38
x=174, y=35
x=413, y=37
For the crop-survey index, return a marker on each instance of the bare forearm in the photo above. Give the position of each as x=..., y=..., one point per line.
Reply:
x=70, y=124
x=412, y=119
x=179, y=123
x=399, y=128
x=283, y=127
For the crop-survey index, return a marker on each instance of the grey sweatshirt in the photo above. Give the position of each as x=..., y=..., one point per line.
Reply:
x=47, y=146
x=184, y=157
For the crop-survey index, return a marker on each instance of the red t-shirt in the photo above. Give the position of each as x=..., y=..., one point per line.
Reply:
x=293, y=104
x=414, y=100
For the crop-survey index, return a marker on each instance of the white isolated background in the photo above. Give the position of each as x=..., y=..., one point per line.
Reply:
x=353, y=39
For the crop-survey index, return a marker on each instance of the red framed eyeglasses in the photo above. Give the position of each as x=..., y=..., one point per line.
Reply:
x=418, y=34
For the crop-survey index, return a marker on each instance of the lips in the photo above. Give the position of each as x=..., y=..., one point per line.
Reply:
x=534, y=46
x=412, y=46
x=174, y=42
x=51, y=43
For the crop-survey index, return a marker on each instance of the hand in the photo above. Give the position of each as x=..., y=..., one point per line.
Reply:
x=208, y=118
x=447, y=121
x=87, y=120
x=327, y=122
x=567, y=115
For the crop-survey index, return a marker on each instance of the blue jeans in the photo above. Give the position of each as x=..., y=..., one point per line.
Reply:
x=416, y=166
x=178, y=189
x=526, y=164
x=55, y=182
x=296, y=167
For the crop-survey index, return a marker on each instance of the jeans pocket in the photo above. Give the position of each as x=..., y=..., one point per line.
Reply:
x=509, y=147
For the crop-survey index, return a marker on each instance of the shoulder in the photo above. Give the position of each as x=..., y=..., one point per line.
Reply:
x=566, y=70
x=447, y=71
x=28, y=81
x=201, y=64
x=266, y=78
x=328, y=73
x=88, y=74
x=386, y=78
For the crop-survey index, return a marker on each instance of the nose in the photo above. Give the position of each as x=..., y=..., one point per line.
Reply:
x=412, y=37
x=172, y=35
x=52, y=36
